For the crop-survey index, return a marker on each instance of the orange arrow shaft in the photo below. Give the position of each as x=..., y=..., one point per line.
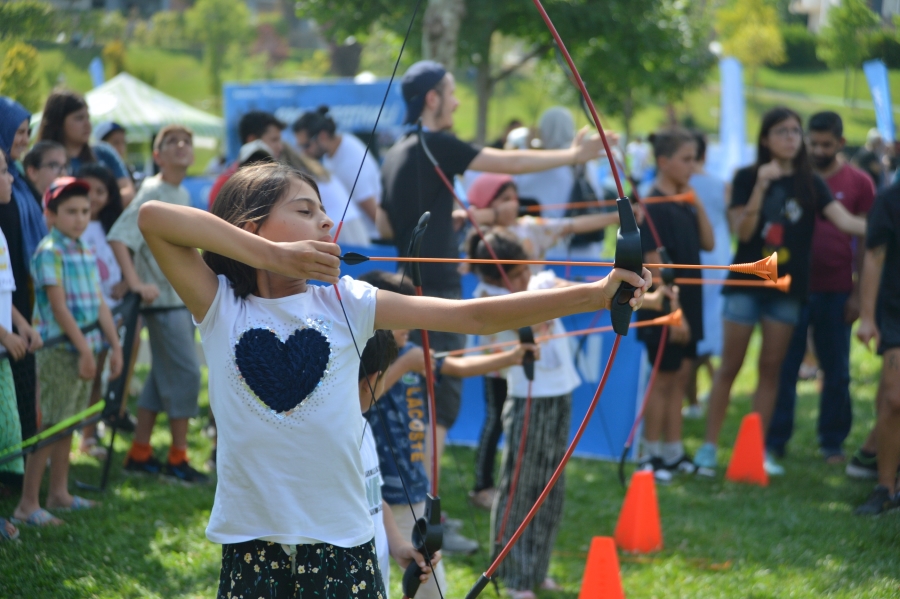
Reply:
x=682, y=197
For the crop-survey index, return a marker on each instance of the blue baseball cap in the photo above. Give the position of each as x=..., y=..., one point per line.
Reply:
x=418, y=80
x=102, y=130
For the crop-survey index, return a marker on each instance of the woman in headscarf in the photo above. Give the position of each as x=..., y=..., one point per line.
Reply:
x=22, y=222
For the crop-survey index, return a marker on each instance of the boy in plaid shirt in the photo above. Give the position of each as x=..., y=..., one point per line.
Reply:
x=67, y=298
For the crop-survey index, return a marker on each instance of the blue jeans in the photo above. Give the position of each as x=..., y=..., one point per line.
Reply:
x=831, y=338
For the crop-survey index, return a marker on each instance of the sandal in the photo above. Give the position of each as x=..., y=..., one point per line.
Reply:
x=39, y=517
x=90, y=447
x=78, y=503
x=550, y=585
x=5, y=525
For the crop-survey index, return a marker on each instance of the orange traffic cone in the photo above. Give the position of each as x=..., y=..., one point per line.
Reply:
x=638, y=529
x=746, y=465
x=601, y=573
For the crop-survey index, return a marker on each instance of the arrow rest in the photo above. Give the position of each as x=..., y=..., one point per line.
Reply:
x=629, y=256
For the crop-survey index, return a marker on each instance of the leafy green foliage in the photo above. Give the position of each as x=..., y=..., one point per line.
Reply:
x=885, y=45
x=843, y=41
x=219, y=25
x=749, y=31
x=114, y=58
x=20, y=76
x=800, y=48
x=27, y=19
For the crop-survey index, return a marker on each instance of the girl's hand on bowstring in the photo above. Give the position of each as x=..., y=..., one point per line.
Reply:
x=318, y=260
x=609, y=285
x=654, y=300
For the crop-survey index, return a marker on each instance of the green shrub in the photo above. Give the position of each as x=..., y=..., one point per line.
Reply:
x=800, y=47
x=884, y=44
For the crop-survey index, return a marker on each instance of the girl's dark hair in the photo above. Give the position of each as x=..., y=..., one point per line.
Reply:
x=668, y=141
x=314, y=122
x=380, y=351
x=507, y=247
x=248, y=197
x=700, y=138
x=59, y=105
x=803, y=175
x=113, y=209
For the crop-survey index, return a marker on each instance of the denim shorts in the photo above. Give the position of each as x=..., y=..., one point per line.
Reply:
x=750, y=308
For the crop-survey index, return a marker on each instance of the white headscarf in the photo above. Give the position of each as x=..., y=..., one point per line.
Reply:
x=557, y=128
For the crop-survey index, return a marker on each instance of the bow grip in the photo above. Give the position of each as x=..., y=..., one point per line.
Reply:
x=427, y=538
x=526, y=335
x=629, y=256
x=667, y=275
x=415, y=244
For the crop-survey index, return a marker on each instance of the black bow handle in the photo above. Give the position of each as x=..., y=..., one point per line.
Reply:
x=629, y=256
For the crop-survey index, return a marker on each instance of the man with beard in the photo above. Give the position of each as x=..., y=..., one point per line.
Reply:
x=833, y=306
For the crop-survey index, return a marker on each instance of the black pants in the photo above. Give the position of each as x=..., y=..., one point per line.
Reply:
x=260, y=569
x=486, y=454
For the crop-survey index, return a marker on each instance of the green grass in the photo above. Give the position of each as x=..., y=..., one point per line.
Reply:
x=797, y=538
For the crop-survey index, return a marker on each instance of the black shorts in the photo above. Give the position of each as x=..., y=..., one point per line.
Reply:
x=673, y=354
x=889, y=327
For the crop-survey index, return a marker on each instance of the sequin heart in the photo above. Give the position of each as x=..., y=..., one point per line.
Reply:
x=282, y=375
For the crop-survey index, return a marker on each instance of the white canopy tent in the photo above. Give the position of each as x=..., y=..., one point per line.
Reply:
x=143, y=110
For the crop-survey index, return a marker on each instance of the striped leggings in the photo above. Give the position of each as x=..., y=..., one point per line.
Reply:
x=547, y=438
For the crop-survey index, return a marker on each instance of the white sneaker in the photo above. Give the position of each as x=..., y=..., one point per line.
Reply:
x=694, y=412
x=771, y=467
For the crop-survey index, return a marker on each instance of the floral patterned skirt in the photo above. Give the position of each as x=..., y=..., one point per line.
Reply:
x=260, y=569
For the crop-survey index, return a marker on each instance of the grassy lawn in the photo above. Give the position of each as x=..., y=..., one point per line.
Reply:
x=797, y=538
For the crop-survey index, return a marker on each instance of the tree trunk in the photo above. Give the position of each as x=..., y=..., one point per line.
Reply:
x=484, y=87
x=440, y=31
x=846, y=84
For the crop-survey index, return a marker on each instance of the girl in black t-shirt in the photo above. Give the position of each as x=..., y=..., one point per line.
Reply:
x=773, y=209
x=683, y=230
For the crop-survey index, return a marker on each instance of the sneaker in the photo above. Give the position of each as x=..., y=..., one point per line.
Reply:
x=694, y=412
x=656, y=465
x=772, y=467
x=185, y=473
x=148, y=466
x=483, y=499
x=705, y=460
x=455, y=543
x=450, y=523
x=683, y=465
x=863, y=465
x=124, y=423
x=878, y=502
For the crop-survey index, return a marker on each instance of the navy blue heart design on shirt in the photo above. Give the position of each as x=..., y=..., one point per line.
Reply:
x=282, y=375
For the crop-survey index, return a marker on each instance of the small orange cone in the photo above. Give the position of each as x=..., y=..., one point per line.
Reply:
x=638, y=529
x=746, y=465
x=601, y=573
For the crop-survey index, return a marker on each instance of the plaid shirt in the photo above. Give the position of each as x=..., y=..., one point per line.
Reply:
x=63, y=261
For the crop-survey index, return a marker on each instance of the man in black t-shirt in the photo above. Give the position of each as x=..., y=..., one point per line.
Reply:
x=879, y=319
x=411, y=187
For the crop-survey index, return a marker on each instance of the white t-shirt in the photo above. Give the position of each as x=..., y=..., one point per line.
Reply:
x=7, y=285
x=539, y=235
x=553, y=186
x=372, y=469
x=345, y=164
x=282, y=383
x=554, y=373
x=110, y=273
x=334, y=198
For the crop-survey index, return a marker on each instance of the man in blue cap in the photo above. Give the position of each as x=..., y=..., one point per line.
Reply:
x=411, y=187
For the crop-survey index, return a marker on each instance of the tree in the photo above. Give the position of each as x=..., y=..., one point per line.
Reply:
x=657, y=51
x=844, y=41
x=25, y=20
x=19, y=76
x=113, y=55
x=749, y=31
x=440, y=30
x=218, y=25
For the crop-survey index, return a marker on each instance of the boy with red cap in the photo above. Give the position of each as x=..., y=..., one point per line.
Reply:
x=67, y=299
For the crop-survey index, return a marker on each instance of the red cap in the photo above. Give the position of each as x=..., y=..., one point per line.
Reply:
x=63, y=184
x=485, y=188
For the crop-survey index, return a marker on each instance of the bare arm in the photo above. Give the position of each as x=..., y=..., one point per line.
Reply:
x=843, y=220
x=869, y=284
x=383, y=224
x=485, y=316
x=126, y=188
x=411, y=361
x=108, y=326
x=515, y=162
x=465, y=366
x=175, y=233
x=707, y=237
x=26, y=331
x=370, y=207
x=744, y=219
x=587, y=223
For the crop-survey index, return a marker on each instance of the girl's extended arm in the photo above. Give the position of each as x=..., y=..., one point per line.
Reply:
x=588, y=223
x=485, y=316
x=175, y=233
x=843, y=220
x=707, y=236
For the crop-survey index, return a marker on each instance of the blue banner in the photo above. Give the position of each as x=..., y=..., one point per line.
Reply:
x=877, y=76
x=732, y=119
x=353, y=106
x=95, y=68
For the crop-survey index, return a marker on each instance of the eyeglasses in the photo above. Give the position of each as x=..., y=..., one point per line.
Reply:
x=53, y=166
x=788, y=132
x=174, y=141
